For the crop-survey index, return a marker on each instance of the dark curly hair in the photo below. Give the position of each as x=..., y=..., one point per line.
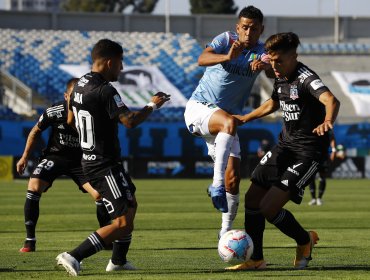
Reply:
x=282, y=42
x=251, y=12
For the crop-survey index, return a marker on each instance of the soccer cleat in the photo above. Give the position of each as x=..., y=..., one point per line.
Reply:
x=319, y=202
x=303, y=252
x=218, y=195
x=249, y=265
x=114, y=267
x=29, y=246
x=312, y=202
x=70, y=264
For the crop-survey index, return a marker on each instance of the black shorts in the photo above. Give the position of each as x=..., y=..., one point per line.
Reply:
x=51, y=167
x=287, y=171
x=117, y=190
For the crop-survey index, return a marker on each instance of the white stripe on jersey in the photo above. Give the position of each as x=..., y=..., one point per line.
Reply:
x=55, y=108
x=308, y=174
x=113, y=185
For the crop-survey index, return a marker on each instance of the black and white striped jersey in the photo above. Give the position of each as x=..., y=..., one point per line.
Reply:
x=302, y=111
x=63, y=139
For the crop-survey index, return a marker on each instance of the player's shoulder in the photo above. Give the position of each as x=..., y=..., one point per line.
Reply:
x=305, y=74
x=225, y=38
x=56, y=110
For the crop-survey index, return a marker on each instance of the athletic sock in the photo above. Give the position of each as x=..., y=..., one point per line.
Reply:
x=223, y=142
x=312, y=187
x=322, y=187
x=31, y=213
x=288, y=225
x=102, y=214
x=254, y=224
x=120, y=249
x=229, y=217
x=93, y=244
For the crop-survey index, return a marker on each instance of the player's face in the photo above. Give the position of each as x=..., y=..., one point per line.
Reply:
x=283, y=63
x=115, y=67
x=249, y=31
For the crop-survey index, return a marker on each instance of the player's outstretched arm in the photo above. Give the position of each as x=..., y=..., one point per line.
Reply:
x=332, y=105
x=265, y=109
x=131, y=119
x=31, y=140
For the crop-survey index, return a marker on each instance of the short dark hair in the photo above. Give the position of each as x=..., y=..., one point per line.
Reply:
x=251, y=12
x=71, y=83
x=106, y=48
x=282, y=42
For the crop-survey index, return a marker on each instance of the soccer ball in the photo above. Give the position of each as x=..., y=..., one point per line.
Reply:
x=235, y=246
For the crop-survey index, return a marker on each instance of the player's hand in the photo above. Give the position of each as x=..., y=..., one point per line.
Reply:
x=332, y=156
x=323, y=128
x=258, y=65
x=160, y=98
x=236, y=49
x=240, y=119
x=21, y=165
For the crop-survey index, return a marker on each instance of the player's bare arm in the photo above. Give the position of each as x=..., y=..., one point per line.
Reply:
x=265, y=109
x=131, y=119
x=208, y=57
x=31, y=140
x=332, y=105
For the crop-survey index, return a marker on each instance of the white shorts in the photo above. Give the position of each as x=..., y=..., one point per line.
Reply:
x=197, y=115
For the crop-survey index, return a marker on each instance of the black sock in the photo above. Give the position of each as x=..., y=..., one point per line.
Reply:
x=312, y=187
x=322, y=187
x=102, y=214
x=288, y=225
x=254, y=223
x=120, y=249
x=93, y=244
x=31, y=213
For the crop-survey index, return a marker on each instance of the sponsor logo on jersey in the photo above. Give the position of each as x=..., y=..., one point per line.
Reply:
x=89, y=157
x=316, y=84
x=285, y=182
x=69, y=140
x=293, y=92
x=118, y=100
x=61, y=126
x=291, y=112
x=279, y=90
x=292, y=170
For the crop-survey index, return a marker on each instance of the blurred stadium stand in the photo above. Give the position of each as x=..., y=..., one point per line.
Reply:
x=34, y=56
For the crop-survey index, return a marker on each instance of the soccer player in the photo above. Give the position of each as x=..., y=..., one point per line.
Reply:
x=309, y=111
x=233, y=60
x=322, y=171
x=97, y=109
x=62, y=156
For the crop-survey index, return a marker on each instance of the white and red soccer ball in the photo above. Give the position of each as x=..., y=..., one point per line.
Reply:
x=235, y=246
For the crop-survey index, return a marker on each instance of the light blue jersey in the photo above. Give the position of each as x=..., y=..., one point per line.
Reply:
x=228, y=84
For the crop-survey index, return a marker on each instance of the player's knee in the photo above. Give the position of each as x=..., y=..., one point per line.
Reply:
x=34, y=186
x=230, y=125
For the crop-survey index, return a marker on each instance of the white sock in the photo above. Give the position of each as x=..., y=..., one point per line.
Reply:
x=229, y=217
x=223, y=142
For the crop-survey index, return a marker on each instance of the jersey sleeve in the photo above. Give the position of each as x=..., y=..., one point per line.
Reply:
x=113, y=101
x=274, y=95
x=315, y=86
x=44, y=121
x=221, y=42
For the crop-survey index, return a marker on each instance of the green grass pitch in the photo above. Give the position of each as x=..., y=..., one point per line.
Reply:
x=175, y=233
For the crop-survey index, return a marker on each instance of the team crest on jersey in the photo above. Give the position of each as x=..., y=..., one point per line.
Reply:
x=118, y=100
x=293, y=92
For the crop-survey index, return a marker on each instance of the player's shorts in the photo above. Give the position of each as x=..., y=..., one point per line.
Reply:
x=197, y=115
x=287, y=171
x=117, y=190
x=52, y=166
